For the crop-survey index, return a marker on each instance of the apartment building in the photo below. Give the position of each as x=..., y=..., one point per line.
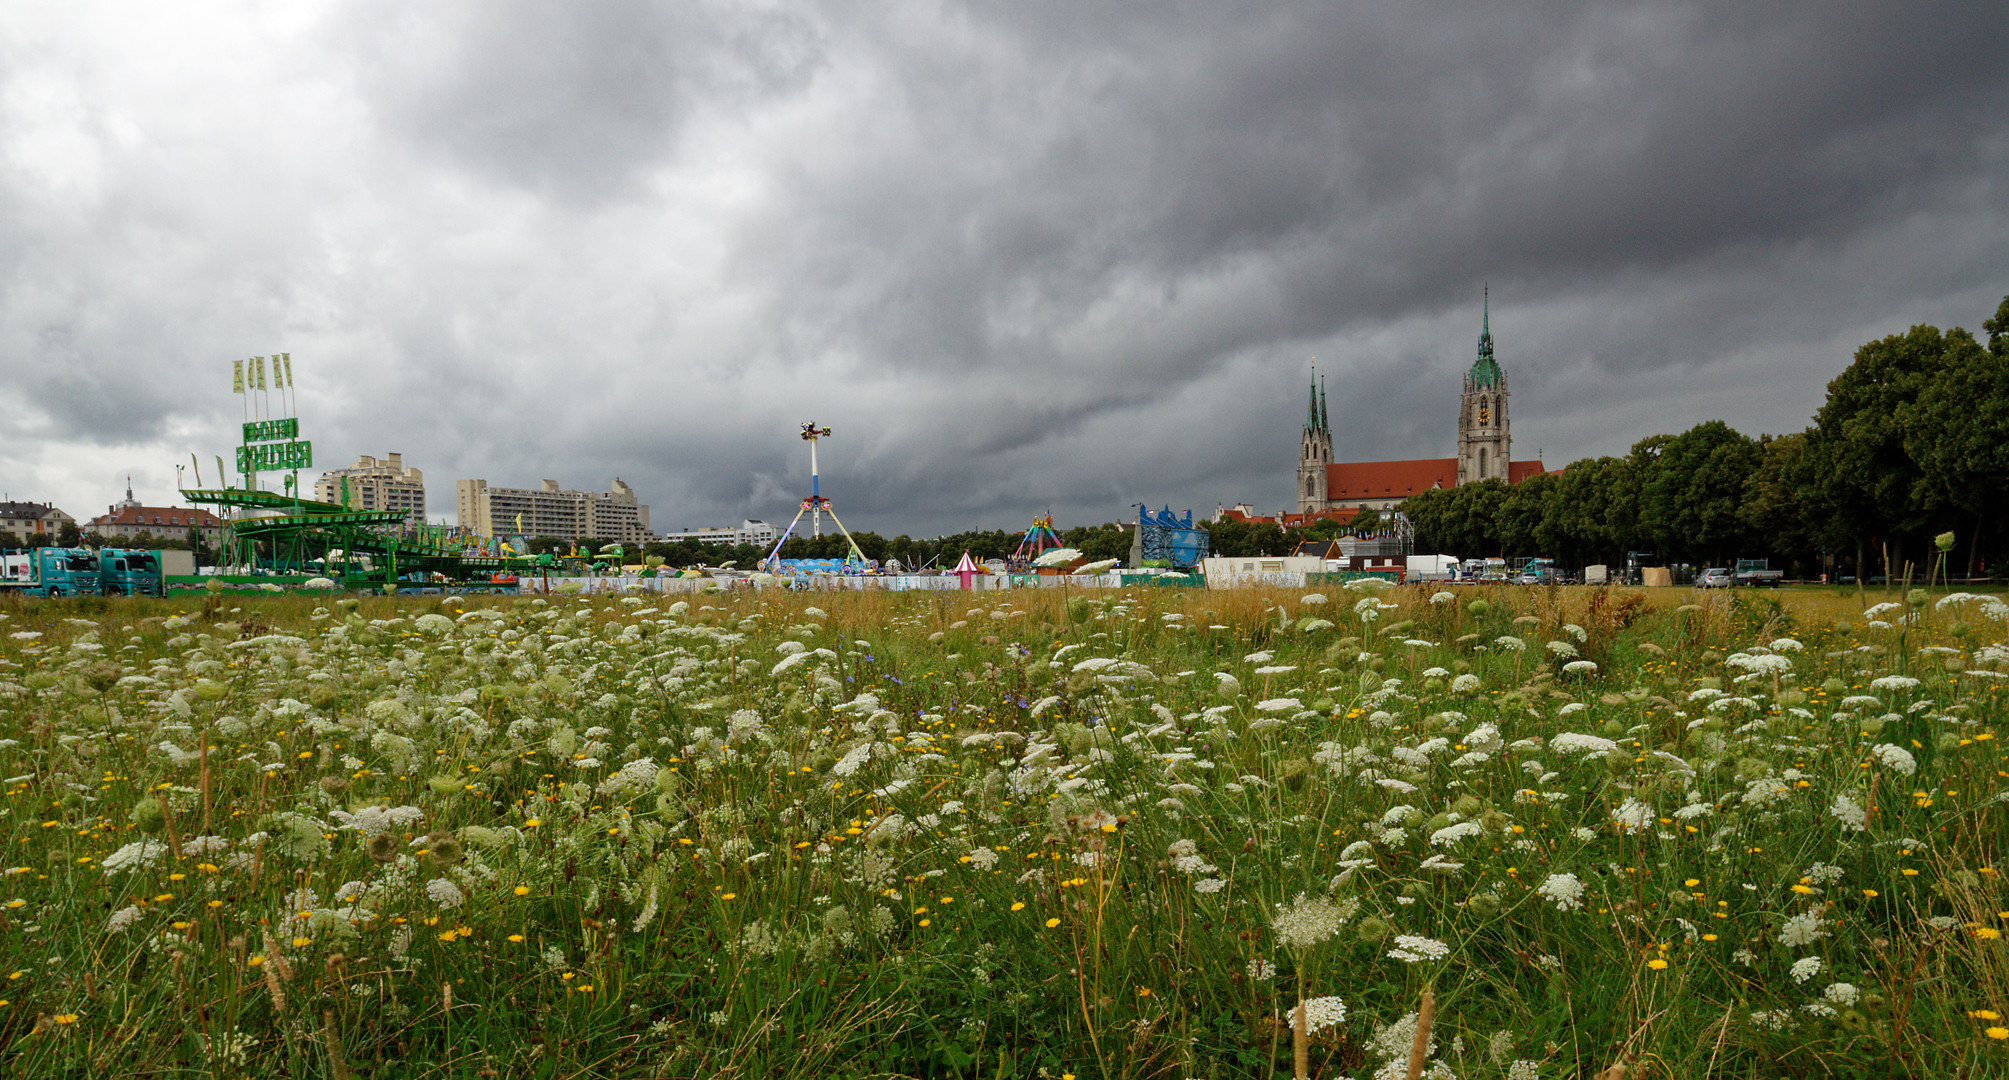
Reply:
x=377, y=484
x=757, y=533
x=549, y=510
x=25, y=519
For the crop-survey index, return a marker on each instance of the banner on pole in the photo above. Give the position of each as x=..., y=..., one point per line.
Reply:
x=237, y=376
x=289, y=368
x=272, y=430
x=274, y=456
x=258, y=366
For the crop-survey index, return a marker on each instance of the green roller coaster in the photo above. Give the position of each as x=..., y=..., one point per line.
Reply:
x=279, y=533
x=355, y=547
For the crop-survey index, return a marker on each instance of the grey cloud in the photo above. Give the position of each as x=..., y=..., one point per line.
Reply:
x=1021, y=255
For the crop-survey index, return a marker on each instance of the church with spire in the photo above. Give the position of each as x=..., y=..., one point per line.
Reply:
x=1328, y=488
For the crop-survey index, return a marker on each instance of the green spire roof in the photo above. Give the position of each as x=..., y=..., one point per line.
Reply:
x=1311, y=410
x=1324, y=419
x=1485, y=370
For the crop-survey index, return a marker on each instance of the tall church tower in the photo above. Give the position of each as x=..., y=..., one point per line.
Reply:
x=1484, y=443
x=1314, y=454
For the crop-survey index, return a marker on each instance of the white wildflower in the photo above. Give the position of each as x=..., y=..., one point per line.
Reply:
x=137, y=855
x=1319, y=1013
x=1564, y=890
x=1895, y=758
x=1411, y=949
x=1570, y=742
x=1309, y=920
x=1802, y=930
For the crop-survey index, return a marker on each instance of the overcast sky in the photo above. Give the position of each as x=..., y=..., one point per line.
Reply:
x=1020, y=255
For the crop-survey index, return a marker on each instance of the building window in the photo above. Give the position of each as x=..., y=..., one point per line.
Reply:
x=1482, y=463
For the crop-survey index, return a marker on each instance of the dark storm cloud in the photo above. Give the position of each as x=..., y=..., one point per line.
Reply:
x=570, y=100
x=1020, y=255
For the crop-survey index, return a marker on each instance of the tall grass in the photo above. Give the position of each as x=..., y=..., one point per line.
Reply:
x=1041, y=833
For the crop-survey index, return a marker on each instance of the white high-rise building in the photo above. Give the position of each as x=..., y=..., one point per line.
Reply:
x=553, y=511
x=374, y=484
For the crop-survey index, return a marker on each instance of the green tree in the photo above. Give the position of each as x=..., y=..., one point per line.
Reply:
x=69, y=535
x=1998, y=329
x=1775, y=503
x=1870, y=485
x=1690, y=504
x=1430, y=514
x=1957, y=433
x=1593, y=512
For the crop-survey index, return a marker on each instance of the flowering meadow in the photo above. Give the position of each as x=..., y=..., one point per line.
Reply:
x=1044, y=833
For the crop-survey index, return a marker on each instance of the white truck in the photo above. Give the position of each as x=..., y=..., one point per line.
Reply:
x=1432, y=567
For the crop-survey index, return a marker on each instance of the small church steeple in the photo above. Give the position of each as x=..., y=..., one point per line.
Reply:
x=1484, y=442
x=1315, y=452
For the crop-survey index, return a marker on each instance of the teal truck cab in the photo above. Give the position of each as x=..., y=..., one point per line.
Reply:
x=129, y=572
x=51, y=571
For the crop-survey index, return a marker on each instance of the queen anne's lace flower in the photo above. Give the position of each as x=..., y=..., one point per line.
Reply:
x=1801, y=930
x=1308, y=920
x=1411, y=949
x=1319, y=1013
x=1896, y=758
x=1564, y=890
x=444, y=893
x=1570, y=742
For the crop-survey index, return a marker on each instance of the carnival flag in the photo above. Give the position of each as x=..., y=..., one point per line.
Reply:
x=258, y=368
x=289, y=368
x=237, y=376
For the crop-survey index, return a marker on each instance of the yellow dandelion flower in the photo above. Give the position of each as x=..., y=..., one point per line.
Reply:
x=301, y=943
x=1993, y=1033
x=1657, y=964
x=1018, y=905
x=1051, y=923
x=523, y=890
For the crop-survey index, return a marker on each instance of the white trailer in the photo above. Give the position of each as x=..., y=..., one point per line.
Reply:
x=1432, y=567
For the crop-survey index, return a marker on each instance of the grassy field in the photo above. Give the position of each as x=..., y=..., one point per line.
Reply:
x=1112, y=834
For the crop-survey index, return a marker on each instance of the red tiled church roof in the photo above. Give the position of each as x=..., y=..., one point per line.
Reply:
x=1355, y=481
x=1352, y=481
x=165, y=517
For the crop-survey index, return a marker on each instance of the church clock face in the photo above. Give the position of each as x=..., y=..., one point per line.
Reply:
x=1485, y=415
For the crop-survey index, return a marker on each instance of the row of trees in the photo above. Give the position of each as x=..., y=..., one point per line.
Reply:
x=1911, y=443
x=71, y=535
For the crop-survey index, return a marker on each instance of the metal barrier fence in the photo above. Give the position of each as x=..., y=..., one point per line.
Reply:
x=630, y=583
